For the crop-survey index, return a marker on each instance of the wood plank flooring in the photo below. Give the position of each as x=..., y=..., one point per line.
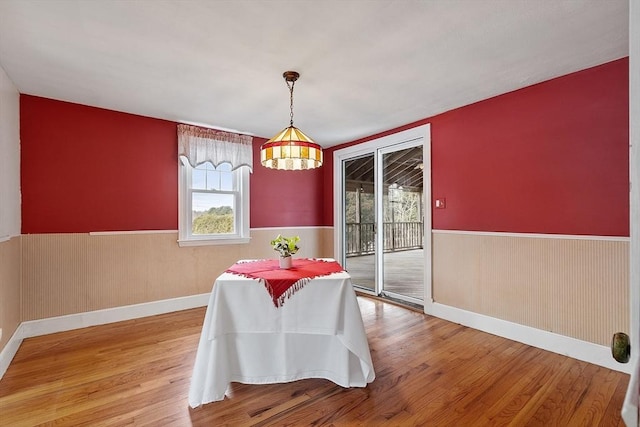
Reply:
x=428, y=372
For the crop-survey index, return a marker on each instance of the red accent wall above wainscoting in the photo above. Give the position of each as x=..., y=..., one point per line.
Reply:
x=551, y=158
x=281, y=198
x=90, y=169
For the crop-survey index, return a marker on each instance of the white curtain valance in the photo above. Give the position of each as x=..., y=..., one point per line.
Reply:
x=199, y=145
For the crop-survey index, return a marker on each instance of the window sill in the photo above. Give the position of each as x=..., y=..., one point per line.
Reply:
x=213, y=242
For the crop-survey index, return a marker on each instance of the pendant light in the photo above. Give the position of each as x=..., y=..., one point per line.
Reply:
x=291, y=149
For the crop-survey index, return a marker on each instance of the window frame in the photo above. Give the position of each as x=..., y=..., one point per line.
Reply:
x=185, y=211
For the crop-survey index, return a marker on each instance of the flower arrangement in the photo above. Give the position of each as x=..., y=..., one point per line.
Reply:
x=285, y=245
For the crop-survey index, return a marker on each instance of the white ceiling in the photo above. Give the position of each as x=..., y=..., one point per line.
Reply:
x=366, y=65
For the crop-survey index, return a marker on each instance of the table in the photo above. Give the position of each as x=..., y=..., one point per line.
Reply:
x=317, y=333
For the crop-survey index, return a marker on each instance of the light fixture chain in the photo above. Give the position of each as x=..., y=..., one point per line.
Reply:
x=291, y=99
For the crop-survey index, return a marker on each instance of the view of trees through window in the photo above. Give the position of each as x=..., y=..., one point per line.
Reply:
x=366, y=211
x=213, y=221
x=402, y=213
x=212, y=199
x=403, y=206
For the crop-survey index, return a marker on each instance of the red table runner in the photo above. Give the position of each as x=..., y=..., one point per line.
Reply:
x=282, y=283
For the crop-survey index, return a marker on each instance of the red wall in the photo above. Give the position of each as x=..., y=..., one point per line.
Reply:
x=89, y=169
x=549, y=158
x=284, y=198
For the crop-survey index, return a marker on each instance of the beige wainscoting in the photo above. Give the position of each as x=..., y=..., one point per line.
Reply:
x=9, y=288
x=577, y=287
x=74, y=273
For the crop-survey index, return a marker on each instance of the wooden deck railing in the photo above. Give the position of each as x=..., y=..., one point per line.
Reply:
x=360, y=237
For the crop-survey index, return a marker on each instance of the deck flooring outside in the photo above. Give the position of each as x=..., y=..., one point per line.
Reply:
x=403, y=272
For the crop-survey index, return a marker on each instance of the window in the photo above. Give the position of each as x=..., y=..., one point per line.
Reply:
x=214, y=204
x=213, y=186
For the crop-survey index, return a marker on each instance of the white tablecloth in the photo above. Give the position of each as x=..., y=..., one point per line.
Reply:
x=317, y=333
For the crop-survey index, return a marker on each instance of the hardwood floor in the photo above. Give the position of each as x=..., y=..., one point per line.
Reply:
x=428, y=372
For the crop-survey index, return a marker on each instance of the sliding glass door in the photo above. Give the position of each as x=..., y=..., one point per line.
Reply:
x=381, y=214
x=402, y=207
x=360, y=221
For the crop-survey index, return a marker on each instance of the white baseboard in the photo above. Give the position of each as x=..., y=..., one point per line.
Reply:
x=567, y=346
x=9, y=350
x=34, y=328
